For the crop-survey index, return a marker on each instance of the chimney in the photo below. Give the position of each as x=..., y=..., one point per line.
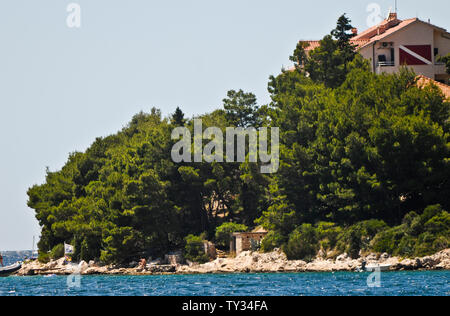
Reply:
x=382, y=28
x=355, y=31
x=392, y=16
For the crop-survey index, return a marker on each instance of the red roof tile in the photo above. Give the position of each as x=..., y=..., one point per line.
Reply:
x=377, y=32
x=423, y=81
x=389, y=31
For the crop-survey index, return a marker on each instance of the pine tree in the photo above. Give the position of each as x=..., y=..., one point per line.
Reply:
x=340, y=32
x=241, y=109
x=178, y=117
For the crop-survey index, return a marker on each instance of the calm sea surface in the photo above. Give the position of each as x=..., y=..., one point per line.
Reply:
x=342, y=283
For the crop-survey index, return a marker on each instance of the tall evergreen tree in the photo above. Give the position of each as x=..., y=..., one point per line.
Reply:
x=341, y=32
x=342, y=35
x=241, y=109
x=300, y=57
x=178, y=117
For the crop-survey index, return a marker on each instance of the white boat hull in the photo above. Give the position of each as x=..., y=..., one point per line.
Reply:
x=378, y=267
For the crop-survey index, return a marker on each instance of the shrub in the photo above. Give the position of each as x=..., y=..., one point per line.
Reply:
x=409, y=218
x=43, y=257
x=358, y=237
x=194, y=249
x=406, y=247
x=57, y=252
x=328, y=234
x=419, y=235
x=373, y=227
x=271, y=241
x=223, y=233
x=441, y=243
x=424, y=245
x=303, y=243
x=387, y=240
x=431, y=211
x=439, y=223
x=417, y=226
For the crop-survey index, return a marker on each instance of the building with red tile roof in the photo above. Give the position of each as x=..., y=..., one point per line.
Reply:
x=394, y=43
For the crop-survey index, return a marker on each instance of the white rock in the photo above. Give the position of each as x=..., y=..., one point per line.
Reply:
x=342, y=257
x=83, y=266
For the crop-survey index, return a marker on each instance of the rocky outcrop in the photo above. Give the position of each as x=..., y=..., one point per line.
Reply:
x=438, y=261
x=245, y=262
x=60, y=267
x=277, y=262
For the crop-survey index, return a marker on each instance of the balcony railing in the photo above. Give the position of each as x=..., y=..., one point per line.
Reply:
x=386, y=63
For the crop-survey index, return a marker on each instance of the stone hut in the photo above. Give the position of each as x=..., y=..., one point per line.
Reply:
x=174, y=258
x=247, y=240
x=210, y=249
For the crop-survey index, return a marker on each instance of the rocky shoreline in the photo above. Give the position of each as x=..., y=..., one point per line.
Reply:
x=246, y=262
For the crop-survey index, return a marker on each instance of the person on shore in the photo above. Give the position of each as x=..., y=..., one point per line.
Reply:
x=143, y=263
x=1, y=260
x=363, y=265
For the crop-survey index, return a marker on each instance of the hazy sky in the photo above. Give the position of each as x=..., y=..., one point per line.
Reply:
x=62, y=87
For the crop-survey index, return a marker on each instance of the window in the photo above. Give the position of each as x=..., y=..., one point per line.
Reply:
x=383, y=60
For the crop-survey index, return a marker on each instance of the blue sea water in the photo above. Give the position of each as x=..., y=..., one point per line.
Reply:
x=10, y=257
x=429, y=283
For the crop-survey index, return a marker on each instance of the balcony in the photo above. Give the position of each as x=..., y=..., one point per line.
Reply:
x=386, y=63
x=439, y=67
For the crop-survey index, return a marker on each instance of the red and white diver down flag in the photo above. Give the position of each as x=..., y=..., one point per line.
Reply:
x=415, y=55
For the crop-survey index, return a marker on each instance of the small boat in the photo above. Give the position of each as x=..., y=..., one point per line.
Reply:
x=378, y=267
x=6, y=271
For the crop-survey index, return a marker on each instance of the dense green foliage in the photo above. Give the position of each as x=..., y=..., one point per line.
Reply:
x=194, y=249
x=57, y=252
x=359, y=152
x=357, y=237
x=328, y=63
x=376, y=147
x=224, y=231
x=446, y=60
x=124, y=198
x=303, y=243
x=272, y=241
x=242, y=109
x=419, y=235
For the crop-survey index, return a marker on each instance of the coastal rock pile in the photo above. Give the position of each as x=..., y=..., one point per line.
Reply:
x=246, y=262
x=277, y=262
x=438, y=261
x=60, y=267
